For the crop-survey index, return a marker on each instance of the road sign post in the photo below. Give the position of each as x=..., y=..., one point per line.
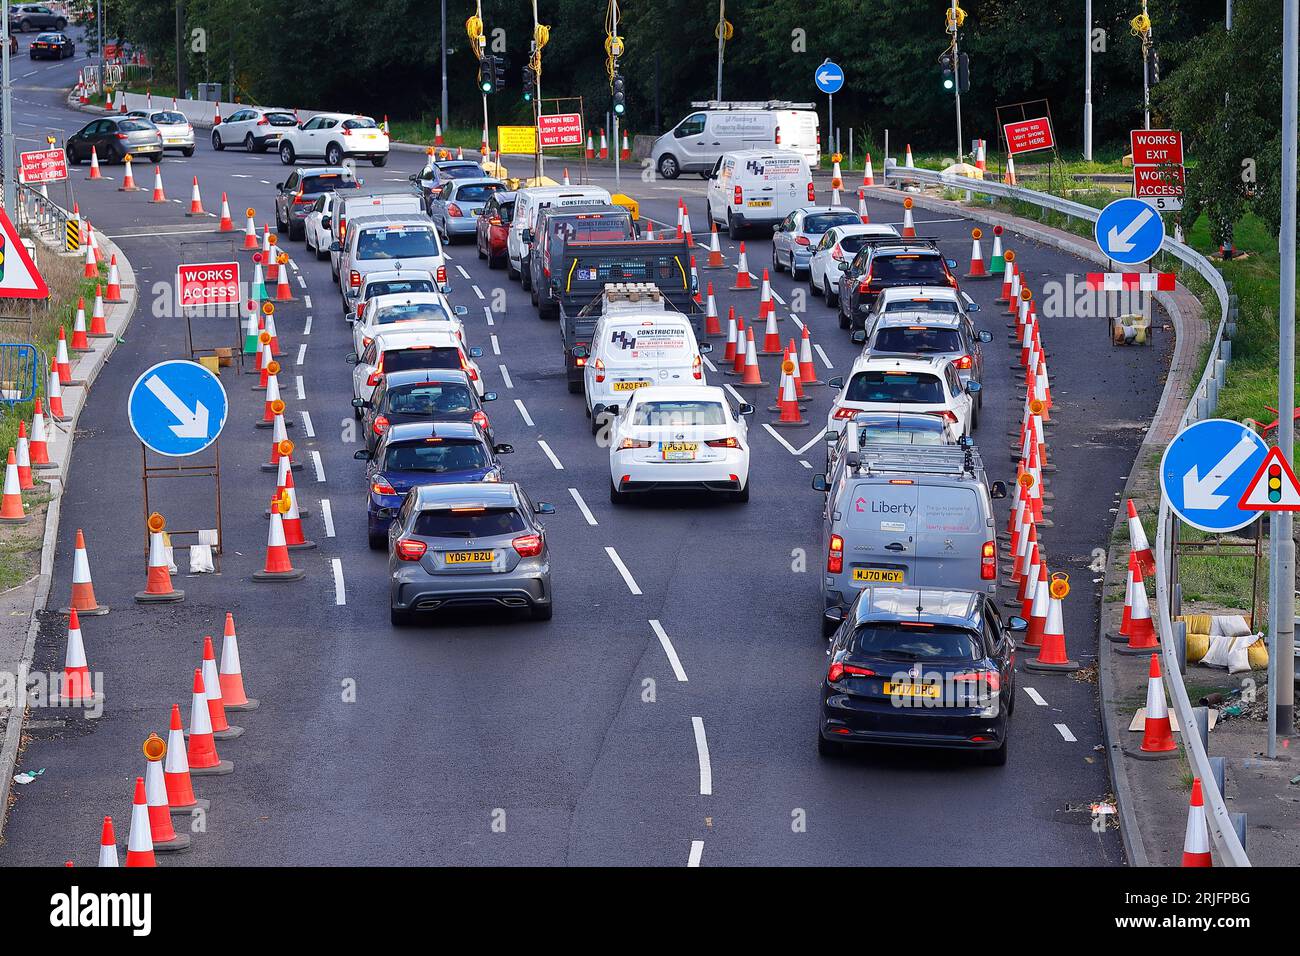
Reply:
x=829, y=79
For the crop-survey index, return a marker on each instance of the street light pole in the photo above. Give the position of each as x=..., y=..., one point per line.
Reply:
x=443, y=34
x=7, y=119
x=1087, y=81
x=180, y=48
x=722, y=41
x=956, y=86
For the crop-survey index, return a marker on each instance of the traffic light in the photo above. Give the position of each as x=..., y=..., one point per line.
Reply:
x=963, y=73
x=620, y=98
x=946, y=62
x=498, y=73
x=487, y=73
x=530, y=84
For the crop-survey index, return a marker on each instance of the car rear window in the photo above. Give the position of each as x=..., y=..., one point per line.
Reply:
x=478, y=192
x=327, y=182
x=506, y=212
x=467, y=523
x=399, y=360
x=134, y=126
x=169, y=117
x=594, y=228
x=888, y=431
x=397, y=242
x=913, y=388
x=360, y=122
x=819, y=223
x=281, y=119
x=48, y=37
x=915, y=269
x=436, y=456
x=411, y=312
x=461, y=172
x=917, y=339
x=922, y=304
x=853, y=243
x=429, y=398
x=673, y=413
x=398, y=287
x=915, y=643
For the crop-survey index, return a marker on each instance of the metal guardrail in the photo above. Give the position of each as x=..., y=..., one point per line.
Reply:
x=44, y=217
x=1202, y=404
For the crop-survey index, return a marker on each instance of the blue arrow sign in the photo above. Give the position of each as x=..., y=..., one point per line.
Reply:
x=829, y=77
x=1205, y=470
x=177, y=408
x=1129, y=231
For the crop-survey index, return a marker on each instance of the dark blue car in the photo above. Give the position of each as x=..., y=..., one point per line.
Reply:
x=423, y=453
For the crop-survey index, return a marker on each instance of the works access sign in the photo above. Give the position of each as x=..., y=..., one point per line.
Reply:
x=1029, y=135
x=19, y=277
x=208, y=283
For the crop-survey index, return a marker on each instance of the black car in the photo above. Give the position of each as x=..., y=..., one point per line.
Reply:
x=422, y=395
x=35, y=17
x=434, y=176
x=885, y=263
x=919, y=667
x=52, y=46
x=295, y=196
x=112, y=138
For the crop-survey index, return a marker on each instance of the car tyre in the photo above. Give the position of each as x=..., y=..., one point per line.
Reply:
x=377, y=542
x=996, y=758
x=187, y=153
x=575, y=388
x=217, y=144
x=333, y=155
x=844, y=319
x=379, y=160
x=669, y=168
x=799, y=274
x=496, y=262
x=398, y=618
x=828, y=748
x=286, y=153
x=479, y=249
x=616, y=497
x=297, y=231
x=776, y=262
x=827, y=294
x=543, y=612
x=60, y=24
x=279, y=226
x=72, y=155
x=156, y=158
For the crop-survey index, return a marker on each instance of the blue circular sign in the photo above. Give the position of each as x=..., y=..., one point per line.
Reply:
x=177, y=408
x=1205, y=471
x=1129, y=231
x=829, y=77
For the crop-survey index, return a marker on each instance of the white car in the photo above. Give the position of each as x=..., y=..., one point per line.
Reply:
x=394, y=282
x=923, y=298
x=316, y=227
x=252, y=127
x=415, y=348
x=839, y=244
x=177, y=133
x=335, y=137
x=679, y=438
x=930, y=386
x=423, y=310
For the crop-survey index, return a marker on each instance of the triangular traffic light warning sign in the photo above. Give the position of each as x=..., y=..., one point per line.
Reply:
x=1274, y=487
x=19, y=277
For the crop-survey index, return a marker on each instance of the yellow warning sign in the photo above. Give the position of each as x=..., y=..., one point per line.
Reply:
x=72, y=242
x=517, y=139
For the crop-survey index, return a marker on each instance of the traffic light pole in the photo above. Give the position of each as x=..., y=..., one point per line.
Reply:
x=956, y=84
x=614, y=146
x=7, y=119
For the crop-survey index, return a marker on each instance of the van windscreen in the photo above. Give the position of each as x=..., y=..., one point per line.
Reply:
x=397, y=242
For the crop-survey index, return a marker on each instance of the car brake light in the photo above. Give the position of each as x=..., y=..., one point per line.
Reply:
x=343, y=227
x=724, y=443
x=468, y=369
x=442, y=275
x=494, y=221
x=812, y=193
x=365, y=341
x=835, y=555
x=952, y=280
x=839, y=669
x=836, y=254
x=380, y=425
x=803, y=241
x=627, y=443
x=122, y=136
x=739, y=196
x=528, y=545
x=777, y=138
x=599, y=366
x=864, y=284
x=991, y=679
x=354, y=279
x=843, y=413
x=264, y=122
x=381, y=487
x=481, y=420
x=410, y=549
x=299, y=198
x=946, y=415
x=374, y=378
x=697, y=368
x=965, y=362
x=988, y=562
x=454, y=211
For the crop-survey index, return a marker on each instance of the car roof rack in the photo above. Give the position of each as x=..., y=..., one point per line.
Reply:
x=750, y=105
x=880, y=458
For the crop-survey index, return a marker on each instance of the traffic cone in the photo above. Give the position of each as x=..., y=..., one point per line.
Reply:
x=788, y=401
x=437, y=131
x=176, y=770
x=1196, y=842
x=807, y=371
x=1008, y=270
x=695, y=283
x=1052, y=655
x=202, y=750
x=712, y=327
x=591, y=151
x=1142, y=637
x=139, y=842
x=997, y=263
x=278, y=566
x=738, y=361
x=743, y=280
x=231, y=677
x=281, y=447
x=89, y=269
x=62, y=361
x=1133, y=575
x=792, y=354
x=37, y=448
x=250, y=230
x=158, y=580
x=837, y=181
x=271, y=257
x=868, y=174
x=729, y=353
x=93, y=240
x=1157, y=733
x=1029, y=583
x=158, y=194
x=252, y=328
x=566, y=176
x=626, y=152
x=1137, y=537
x=76, y=686
x=649, y=230
x=909, y=227
x=221, y=728
x=94, y=164
x=1009, y=177
x=907, y=161
x=293, y=535
x=751, y=377
x=196, y=202
x=862, y=206
x=107, y=844
x=226, y=224
x=765, y=305
x=977, y=270
x=604, y=146
x=771, y=337
x=23, y=458
x=460, y=152
x=216, y=114
x=164, y=835
x=83, y=588
x=79, y=341
x=282, y=291
x=258, y=285
x=715, y=250
x=980, y=160
x=114, y=291
x=274, y=404
x=1038, y=613
x=11, y=506
x=128, y=178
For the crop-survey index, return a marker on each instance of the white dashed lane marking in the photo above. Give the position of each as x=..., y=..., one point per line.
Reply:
x=697, y=851
x=622, y=569
x=582, y=506
x=306, y=423
x=523, y=413
x=505, y=377
x=550, y=454
x=327, y=516
x=1036, y=697
x=702, y=751
x=1065, y=733
x=320, y=465
x=669, y=651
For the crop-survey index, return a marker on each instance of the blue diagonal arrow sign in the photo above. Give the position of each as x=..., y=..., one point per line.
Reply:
x=177, y=408
x=1129, y=231
x=1205, y=470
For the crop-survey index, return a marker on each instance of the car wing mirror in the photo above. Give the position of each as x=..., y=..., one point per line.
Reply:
x=973, y=387
x=1017, y=624
x=503, y=449
x=361, y=455
x=745, y=409
x=986, y=336
x=952, y=263
x=475, y=352
x=819, y=483
x=998, y=489
x=833, y=616
x=460, y=310
x=489, y=397
x=350, y=358
x=544, y=508
x=859, y=337
x=358, y=403
x=706, y=348
x=578, y=352
x=836, y=382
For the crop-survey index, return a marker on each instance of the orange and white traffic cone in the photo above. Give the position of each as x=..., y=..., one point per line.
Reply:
x=62, y=361
x=626, y=152
x=196, y=202
x=743, y=281
x=566, y=176
x=250, y=230
x=788, y=401
x=269, y=366
x=1029, y=583
x=604, y=146
x=771, y=337
x=83, y=588
x=158, y=579
x=1051, y=655
x=1196, y=841
x=751, y=377
x=437, y=131
x=766, y=306
x=222, y=729
x=274, y=404
x=712, y=326
x=591, y=150
x=807, y=370
x=38, y=447
x=977, y=269
x=715, y=250
x=107, y=844
x=293, y=535
x=94, y=164
x=282, y=291
x=1137, y=537
x=729, y=353
x=158, y=194
x=128, y=178
x=90, y=269
x=278, y=566
x=164, y=835
x=1134, y=574
x=1157, y=732
x=231, y=675
x=226, y=224
x=868, y=174
x=1142, y=637
x=23, y=458
x=272, y=259
x=114, y=291
x=738, y=360
x=862, y=206
x=1038, y=612
x=76, y=687
x=792, y=353
x=909, y=227
x=281, y=447
x=80, y=343
x=176, y=770
x=202, y=750
x=1009, y=259
x=12, y=510
x=139, y=842
x=907, y=161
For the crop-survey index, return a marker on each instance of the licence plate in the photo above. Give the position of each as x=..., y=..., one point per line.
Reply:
x=629, y=386
x=470, y=557
x=174, y=141
x=878, y=575
x=912, y=690
x=760, y=202
x=679, y=450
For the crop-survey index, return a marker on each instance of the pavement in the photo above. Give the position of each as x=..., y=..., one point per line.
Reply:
x=486, y=740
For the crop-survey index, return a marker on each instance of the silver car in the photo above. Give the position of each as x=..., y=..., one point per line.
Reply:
x=795, y=236
x=929, y=333
x=468, y=545
x=456, y=208
x=177, y=132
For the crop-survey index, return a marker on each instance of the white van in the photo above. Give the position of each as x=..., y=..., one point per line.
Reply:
x=695, y=144
x=758, y=188
x=527, y=203
x=632, y=348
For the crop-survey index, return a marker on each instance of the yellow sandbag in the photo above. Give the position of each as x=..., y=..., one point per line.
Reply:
x=1197, y=645
x=1257, y=653
x=1200, y=623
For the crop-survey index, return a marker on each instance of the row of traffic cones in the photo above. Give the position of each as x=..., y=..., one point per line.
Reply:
x=159, y=195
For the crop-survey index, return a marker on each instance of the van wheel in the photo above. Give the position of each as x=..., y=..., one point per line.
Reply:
x=668, y=166
x=733, y=230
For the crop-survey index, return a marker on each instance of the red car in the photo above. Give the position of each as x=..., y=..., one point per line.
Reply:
x=493, y=224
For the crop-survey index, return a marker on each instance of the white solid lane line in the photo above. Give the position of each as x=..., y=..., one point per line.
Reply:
x=777, y=435
x=582, y=506
x=1036, y=697
x=669, y=650
x=320, y=465
x=1065, y=733
x=327, y=516
x=622, y=569
x=523, y=413
x=505, y=376
x=340, y=595
x=702, y=750
x=697, y=851
x=550, y=454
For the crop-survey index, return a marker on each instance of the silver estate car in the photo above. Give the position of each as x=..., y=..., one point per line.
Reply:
x=466, y=545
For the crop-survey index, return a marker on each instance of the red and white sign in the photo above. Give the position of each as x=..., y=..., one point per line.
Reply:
x=208, y=283
x=1274, y=487
x=560, y=129
x=19, y=277
x=43, y=166
x=1159, y=181
x=1151, y=147
x=1027, y=136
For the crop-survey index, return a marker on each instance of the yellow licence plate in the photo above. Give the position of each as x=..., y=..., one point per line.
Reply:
x=470, y=557
x=629, y=386
x=912, y=690
x=878, y=575
x=760, y=202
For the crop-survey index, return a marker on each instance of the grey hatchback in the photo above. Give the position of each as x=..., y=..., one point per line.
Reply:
x=465, y=545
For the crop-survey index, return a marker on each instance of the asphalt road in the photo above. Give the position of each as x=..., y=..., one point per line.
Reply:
x=486, y=740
